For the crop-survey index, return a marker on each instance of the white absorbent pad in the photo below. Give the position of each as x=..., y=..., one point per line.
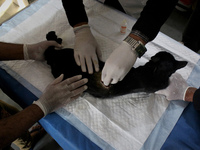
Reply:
x=124, y=122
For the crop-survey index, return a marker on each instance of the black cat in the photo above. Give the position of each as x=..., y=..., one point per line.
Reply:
x=151, y=77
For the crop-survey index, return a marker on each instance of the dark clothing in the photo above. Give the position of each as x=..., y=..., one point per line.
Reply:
x=75, y=11
x=153, y=16
x=191, y=34
x=196, y=101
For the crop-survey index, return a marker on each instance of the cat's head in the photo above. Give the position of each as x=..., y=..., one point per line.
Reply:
x=164, y=64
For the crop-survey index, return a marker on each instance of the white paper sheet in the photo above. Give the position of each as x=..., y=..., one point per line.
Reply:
x=124, y=122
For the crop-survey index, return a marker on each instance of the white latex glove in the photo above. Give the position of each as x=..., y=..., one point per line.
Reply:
x=176, y=89
x=59, y=93
x=118, y=64
x=86, y=51
x=36, y=51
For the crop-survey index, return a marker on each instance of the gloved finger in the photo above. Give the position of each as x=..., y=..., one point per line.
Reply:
x=96, y=63
x=77, y=84
x=82, y=61
x=71, y=80
x=58, y=80
x=114, y=80
x=77, y=58
x=78, y=91
x=162, y=92
x=89, y=65
x=122, y=77
x=54, y=43
x=107, y=80
x=104, y=75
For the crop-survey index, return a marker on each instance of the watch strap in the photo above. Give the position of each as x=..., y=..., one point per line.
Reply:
x=138, y=46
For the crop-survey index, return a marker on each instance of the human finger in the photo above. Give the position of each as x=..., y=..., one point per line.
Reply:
x=77, y=84
x=78, y=91
x=96, y=63
x=54, y=43
x=89, y=65
x=77, y=58
x=82, y=61
x=70, y=80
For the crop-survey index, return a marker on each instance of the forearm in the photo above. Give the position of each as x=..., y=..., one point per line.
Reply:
x=10, y=51
x=193, y=95
x=153, y=16
x=75, y=11
x=189, y=94
x=12, y=127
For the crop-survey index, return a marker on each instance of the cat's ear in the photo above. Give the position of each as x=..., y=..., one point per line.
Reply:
x=181, y=64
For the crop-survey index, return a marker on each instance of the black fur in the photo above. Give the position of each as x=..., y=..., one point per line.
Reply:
x=153, y=76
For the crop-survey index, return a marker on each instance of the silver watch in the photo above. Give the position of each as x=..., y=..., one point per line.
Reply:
x=138, y=46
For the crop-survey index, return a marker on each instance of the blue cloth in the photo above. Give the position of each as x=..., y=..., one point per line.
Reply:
x=12, y=88
x=186, y=133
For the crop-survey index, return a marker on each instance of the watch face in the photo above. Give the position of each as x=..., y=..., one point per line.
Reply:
x=137, y=45
x=140, y=49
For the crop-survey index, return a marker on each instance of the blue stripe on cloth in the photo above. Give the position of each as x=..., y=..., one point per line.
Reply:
x=12, y=88
x=62, y=131
x=193, y=79
x=177, y=126
x=12, y=23
x=21, y=80
x=66, y=135
x=164, y=126
x=84, y=129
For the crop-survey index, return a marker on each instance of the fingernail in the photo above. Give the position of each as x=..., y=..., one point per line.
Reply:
x=85, y=80
x=79, y=76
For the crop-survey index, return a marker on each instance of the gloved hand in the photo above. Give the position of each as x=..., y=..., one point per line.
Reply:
x=118, y=64
x=177, y=88
x=36, y=51
x=86, y=51
x=60, y=93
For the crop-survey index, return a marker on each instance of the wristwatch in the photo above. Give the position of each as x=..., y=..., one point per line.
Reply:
x=138, y=46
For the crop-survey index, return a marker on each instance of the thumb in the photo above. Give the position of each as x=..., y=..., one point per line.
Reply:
x=54, y=43
x=162, y=92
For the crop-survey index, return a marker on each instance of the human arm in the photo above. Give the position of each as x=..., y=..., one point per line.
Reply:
x=122, y=59
x=17, y=124
x=179, y=90
x=12, y=51
x=152, y=17
x=192, y=94
x=86, y=51
x=75, y=11
x=57, y=94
